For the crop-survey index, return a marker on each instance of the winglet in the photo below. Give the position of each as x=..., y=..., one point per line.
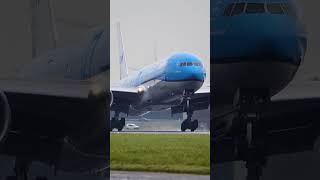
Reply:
x=122, y=56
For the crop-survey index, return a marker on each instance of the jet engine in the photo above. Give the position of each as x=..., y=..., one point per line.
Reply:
x=5, y=116
x=110, y=98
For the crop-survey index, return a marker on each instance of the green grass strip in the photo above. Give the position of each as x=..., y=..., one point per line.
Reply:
x=161, y=153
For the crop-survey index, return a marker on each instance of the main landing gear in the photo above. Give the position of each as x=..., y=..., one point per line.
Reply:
x=189, y=123
x=117, y=123
x=251, y=136
x=21, y=169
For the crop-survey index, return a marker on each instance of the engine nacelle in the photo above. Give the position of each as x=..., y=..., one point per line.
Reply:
x=110, y=98
x=5, y=116
x=141, y=89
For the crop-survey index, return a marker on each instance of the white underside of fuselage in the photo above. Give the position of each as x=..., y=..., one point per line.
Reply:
x=163, y=95
x=227, y=78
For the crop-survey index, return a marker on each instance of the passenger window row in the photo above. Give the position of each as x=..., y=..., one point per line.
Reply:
x=250, y=8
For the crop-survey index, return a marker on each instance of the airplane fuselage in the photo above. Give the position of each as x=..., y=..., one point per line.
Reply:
x=255, y=44
x=81, y=121
x=162, y=85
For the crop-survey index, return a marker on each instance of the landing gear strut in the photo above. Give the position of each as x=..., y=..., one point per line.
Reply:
x=189, y=123
x=117, y=123
x=252, y=133
x=21, y=169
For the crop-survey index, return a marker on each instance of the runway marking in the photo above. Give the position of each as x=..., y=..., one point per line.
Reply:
x=163, y=132
x=127, y=175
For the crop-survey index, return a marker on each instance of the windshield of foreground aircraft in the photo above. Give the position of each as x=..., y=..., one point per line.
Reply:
x=289, y=10
x=275, y=8
x=229, y=9
x=238, y=9
x=255, y=8
x=281, y=8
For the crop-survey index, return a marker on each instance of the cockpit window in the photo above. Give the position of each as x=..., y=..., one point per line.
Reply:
x=229, y=9
x=289, y=10
x=238, y=9
x=234, y=9
x=275, y=8
x=280, y=8
x=183, y=64
x=190, y=64
x=255, y=8
x=252, y=8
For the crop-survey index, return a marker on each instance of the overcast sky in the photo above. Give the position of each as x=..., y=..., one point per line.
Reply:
x=311, y=65
x=174, y=25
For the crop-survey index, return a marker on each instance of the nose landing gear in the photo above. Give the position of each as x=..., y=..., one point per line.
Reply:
x=252, y=103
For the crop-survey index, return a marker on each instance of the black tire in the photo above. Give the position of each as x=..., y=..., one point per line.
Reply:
x=184, y=126
x=11, y=178
x=113, y=123
x=121, y=124
x=194, y=125
x=41, y=178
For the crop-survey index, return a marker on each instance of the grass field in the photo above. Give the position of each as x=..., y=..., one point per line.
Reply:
x=161, y=153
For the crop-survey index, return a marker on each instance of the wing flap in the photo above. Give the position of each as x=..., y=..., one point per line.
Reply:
x=59, y=88
x=124, y=95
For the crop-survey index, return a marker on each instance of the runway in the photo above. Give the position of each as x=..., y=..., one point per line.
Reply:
x=163, y=132
x=125, y=175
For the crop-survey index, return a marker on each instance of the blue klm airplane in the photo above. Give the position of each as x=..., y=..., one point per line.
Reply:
x=172, y=83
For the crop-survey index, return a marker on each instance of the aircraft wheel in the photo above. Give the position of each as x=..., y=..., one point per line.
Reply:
x=113, y=123
x=121, y=124
x=184, y=125
x=41, y=178
x=12, y=178
x=194, y=125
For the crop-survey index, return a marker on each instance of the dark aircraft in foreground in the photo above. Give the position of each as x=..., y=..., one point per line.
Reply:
x=55, y=110
x=257, y=48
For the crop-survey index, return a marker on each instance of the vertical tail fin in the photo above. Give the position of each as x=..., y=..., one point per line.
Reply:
x=155, y=49
x=122, y=56
x=43, y=26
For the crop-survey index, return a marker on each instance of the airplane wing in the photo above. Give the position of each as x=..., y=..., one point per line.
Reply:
x=122, y=98
x=71, y=89
x=291, y=121
x=124, y=95
x=56, y=109
x=200, y=100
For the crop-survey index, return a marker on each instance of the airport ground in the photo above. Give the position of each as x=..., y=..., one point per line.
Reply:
x=125, y=175
x=173, y=153
x=295, y=166
x=163, y=125
x=40, y=170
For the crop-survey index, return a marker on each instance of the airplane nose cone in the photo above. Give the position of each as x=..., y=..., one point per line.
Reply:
x=276, y=38
x=195, y=74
